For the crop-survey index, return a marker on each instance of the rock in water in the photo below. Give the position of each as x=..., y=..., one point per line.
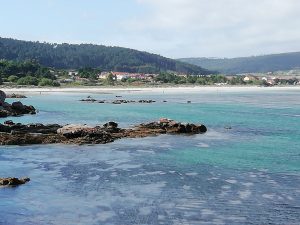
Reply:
x=17, y=106
x=111, y=127
x=72, y=130
x=12, y=181
x=20, y=134
x=13, y=95
x=14, y=109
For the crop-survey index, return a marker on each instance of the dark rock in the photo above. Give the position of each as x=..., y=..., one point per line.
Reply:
x=146, y=101
x=2, y=97
x=9, y=122
x=14, y=109
x=111, y=125
x=13, y=95
x=17, y=106
x=117, y=102
x=3, y=114
x=88, y=100
x=12, y=181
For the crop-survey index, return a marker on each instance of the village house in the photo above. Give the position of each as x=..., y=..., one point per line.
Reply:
x=125, y=75
x=103, y=75
x=249, y=78
x=72, y=73
x=121, y=75
x=182, y=75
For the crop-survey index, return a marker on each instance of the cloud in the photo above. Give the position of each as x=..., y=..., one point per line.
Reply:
x=181, y=28
x=173, y=28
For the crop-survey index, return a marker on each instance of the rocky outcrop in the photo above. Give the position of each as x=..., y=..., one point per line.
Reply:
x=117, y=101
x=12, y=181
x=88, y=100
x=19, y=134
x=172, y=127
x=120, y=101
x=85, y=135
x=14, y=109
x=2, y=97
x=13, y=95
x=17, y=128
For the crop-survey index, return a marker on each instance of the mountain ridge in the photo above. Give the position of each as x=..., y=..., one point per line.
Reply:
x=251, y=64
x=107, y=58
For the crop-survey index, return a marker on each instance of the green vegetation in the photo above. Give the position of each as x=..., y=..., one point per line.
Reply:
x=255, y=64
x=67, y=56
x=89, y=73
x=48, y=82
x=28, y=80
x=200, y=80
x=26, y=73
x=13, y=78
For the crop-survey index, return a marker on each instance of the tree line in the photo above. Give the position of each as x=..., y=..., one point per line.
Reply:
x=26, y=73
x=70, y=56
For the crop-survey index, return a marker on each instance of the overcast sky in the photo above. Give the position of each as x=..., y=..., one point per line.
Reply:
x=172, y=28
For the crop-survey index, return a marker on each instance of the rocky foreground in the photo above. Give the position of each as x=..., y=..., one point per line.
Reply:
x=20, y=134
x=13, y=109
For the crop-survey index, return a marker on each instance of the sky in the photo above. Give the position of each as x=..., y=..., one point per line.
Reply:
x=172, y=28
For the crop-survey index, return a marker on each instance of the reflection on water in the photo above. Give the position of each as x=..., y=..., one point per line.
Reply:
x=246, y=175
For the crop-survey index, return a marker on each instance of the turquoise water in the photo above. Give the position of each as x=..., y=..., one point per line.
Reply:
x=249, y=174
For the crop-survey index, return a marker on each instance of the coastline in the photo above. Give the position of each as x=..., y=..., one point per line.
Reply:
x=167, y=89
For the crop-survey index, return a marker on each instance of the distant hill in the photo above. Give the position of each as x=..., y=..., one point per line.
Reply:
x=71, y=56
x=255, y=64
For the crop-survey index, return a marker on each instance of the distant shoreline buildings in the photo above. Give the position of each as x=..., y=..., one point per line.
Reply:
x=267, y=79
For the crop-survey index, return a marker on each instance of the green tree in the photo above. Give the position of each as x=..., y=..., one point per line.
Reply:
x=110, y=79
x=13, y=78
x=48, y=82
x=28, y=80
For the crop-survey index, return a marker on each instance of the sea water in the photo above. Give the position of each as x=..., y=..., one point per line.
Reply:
x=249, y=174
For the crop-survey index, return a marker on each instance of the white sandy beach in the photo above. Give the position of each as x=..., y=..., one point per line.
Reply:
x=151, y=89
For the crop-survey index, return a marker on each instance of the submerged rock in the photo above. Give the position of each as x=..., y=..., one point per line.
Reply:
x=89, y=99
x=12, y=181
x=117, y=101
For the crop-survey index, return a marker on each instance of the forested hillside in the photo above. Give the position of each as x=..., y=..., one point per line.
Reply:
x=255, y=64
x=70, y=56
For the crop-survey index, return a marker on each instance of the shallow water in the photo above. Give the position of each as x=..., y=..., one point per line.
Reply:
x=247, y=175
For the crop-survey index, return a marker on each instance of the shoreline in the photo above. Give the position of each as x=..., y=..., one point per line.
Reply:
x=167, y=89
